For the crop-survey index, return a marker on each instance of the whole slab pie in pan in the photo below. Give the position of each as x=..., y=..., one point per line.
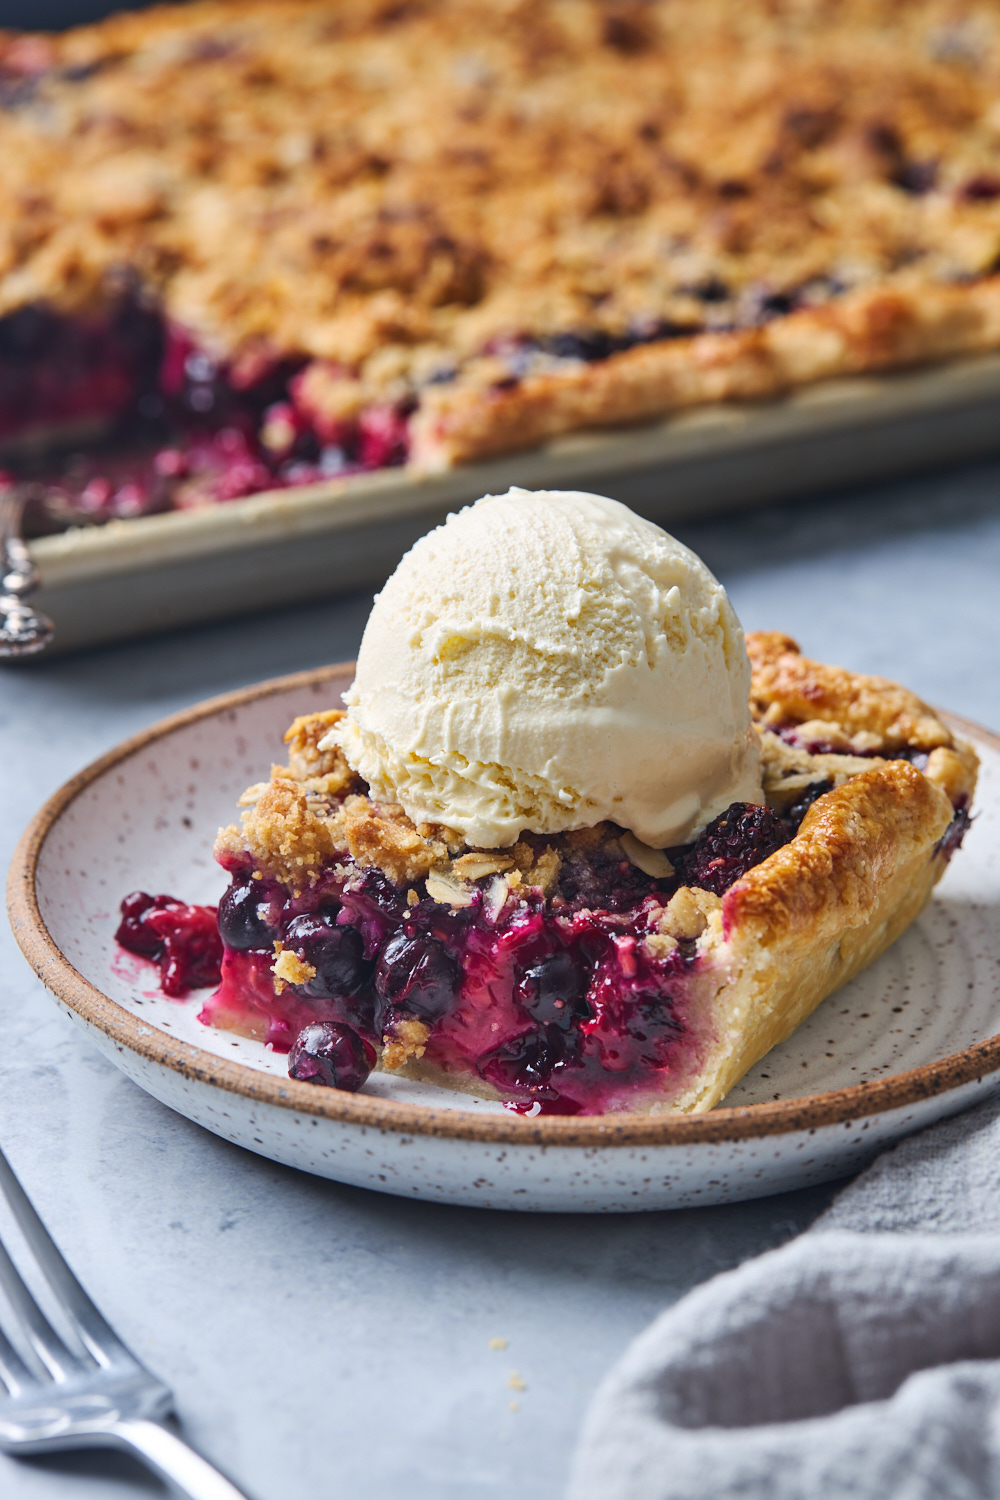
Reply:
x=910, y=1040
x=255, y=245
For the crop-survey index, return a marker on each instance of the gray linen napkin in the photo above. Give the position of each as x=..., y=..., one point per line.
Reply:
x=861, y=1359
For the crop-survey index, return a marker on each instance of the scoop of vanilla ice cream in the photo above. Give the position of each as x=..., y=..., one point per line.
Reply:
x=546, y=660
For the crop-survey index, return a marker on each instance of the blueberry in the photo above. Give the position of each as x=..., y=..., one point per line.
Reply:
x=711, y=288
x=417, y=974
x=762, y=306
x=553, y=992
x=799, y=808
x=247, y=918
x=954, y=833
x=528, y=1060
x=915, y=177
x=336, y=953
x=331, y=1055
x=589, y=345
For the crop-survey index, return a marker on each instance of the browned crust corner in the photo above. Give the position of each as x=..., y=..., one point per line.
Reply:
x=829, y=877
x=789, y=688
x=839, y=1107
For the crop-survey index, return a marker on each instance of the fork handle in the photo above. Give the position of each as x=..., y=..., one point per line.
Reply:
x=170, y=1457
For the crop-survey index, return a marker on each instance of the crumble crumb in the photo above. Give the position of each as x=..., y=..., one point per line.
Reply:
x=325, y=771
x=659, y=944
x=583, y=839
x=515, y=1383
x=382, y=835
x=253, y=793
x=523, y=855
x=285, y=832
x=499, y=1343
x=645, y=858
x=288, y=968
x=443, y=887
x=545, y=871
x=408, y=1040
x=437, y=831
x=688, y=912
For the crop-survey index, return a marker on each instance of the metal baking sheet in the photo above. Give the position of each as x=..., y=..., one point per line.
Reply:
x=290, y=546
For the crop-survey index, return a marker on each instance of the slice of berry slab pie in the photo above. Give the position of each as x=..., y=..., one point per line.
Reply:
x=560, y=973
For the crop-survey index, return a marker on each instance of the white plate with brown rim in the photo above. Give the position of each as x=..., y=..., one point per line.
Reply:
x=913, y=1039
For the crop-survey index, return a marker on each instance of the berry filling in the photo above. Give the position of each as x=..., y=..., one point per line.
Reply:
x=554, y=1003
x=956, y=830
x=560, y=1002
x=56, y=370
x=182, y=941
x=165, y=426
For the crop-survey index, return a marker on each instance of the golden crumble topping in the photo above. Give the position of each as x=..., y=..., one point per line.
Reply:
x=428, y=200
x=848, y=710
x=382, y=835
x=324, y=771
x=286, y=832
x=315, y=813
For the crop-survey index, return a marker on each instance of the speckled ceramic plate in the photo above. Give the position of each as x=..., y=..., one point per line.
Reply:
x=915, y=1038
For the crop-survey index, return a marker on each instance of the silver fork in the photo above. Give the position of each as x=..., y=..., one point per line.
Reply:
x=99, y=1396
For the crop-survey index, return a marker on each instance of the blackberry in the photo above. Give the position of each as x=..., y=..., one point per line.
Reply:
x=738, y=839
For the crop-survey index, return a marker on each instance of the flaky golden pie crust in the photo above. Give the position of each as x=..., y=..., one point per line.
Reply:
x=860, y=868
x=455, y=206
